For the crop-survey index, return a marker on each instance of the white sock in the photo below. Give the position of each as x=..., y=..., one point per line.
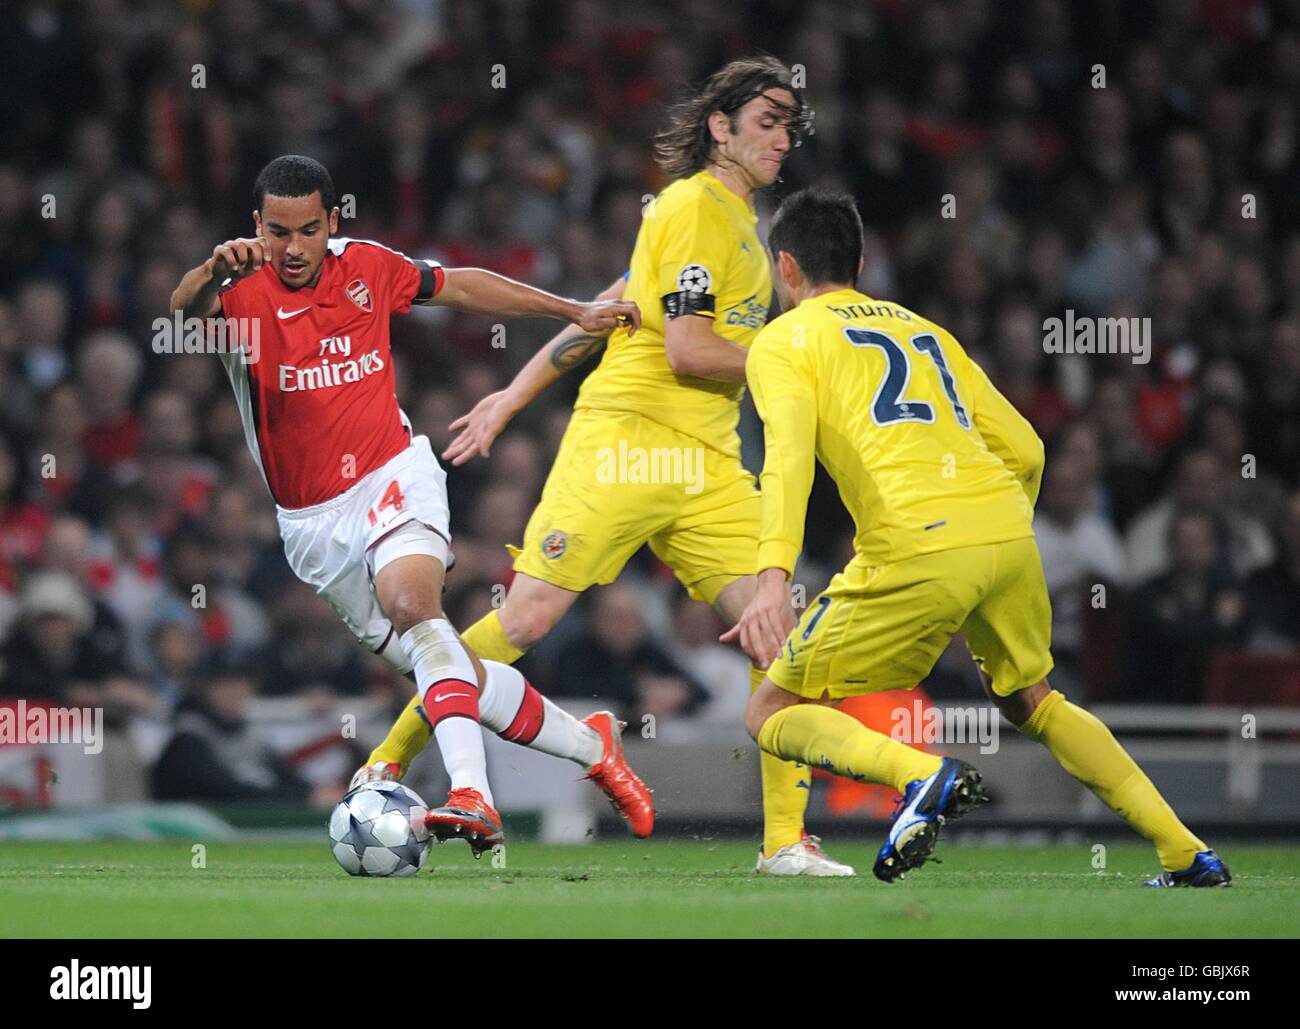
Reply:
x=446, y=678
x=501, y=702
x=461, y=743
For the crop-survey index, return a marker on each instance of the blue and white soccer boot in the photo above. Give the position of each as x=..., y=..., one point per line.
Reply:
x=928, y=803
x=1205, y=870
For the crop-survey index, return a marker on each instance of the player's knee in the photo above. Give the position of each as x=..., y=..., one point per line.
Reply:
x=409, y=607
x=1020, y=706
x=759, y=709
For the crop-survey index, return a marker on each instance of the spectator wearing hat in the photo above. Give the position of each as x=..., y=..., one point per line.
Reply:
x=51, y=654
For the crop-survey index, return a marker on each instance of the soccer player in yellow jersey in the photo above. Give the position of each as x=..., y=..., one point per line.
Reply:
x=651, y=454
x=940, y=474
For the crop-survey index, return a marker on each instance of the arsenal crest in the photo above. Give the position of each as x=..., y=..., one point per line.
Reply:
x=359, y=293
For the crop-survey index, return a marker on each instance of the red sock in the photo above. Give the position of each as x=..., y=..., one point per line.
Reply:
x=528, y=720
x=449, y=698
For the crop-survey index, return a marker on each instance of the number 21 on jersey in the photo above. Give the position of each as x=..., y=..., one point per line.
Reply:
x=887, y=407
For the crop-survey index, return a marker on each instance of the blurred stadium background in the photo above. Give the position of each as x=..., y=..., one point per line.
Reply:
x=1169, y=521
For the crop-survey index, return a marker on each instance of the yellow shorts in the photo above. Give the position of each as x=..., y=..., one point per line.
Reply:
x=883, y=627
x=621, y=481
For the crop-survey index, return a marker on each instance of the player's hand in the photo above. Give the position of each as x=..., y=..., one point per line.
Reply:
x=480, y=427
x=766, y=623
x=603, y=316
x=239, y=258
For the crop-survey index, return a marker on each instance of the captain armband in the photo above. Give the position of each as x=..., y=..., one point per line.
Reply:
x=431, y=279
x=678, y=304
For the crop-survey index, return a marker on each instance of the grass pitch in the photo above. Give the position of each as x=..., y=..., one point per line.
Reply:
x=628, y=889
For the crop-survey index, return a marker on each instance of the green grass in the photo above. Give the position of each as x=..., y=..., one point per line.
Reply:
x=659, y=888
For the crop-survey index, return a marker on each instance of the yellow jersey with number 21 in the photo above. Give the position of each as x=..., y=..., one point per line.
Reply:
x=927, y=454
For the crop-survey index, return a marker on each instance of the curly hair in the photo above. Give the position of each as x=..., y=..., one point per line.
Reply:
x=686, y=145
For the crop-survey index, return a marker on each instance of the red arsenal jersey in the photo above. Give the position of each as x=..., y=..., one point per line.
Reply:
x=317, y=394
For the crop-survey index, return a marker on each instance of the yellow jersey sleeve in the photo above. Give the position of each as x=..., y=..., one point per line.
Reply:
x=783, y=382
x=1006, y=432
x=692, y=243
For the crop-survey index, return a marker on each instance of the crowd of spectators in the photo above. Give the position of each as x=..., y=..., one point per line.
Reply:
x=1011, y=161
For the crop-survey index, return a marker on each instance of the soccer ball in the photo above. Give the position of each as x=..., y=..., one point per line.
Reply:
x=378, y=830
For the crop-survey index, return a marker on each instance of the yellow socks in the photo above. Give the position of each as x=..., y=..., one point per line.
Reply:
x=823, y=737
x=487, y=638
x=787, y=785
x=826, y=738
x=410, y=733
x=408, y=736
x=1087, y=750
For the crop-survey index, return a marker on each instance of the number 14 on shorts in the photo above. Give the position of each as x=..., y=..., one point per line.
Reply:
x=389, y=505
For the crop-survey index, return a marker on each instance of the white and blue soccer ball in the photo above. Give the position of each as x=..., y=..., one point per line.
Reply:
x=378, y=830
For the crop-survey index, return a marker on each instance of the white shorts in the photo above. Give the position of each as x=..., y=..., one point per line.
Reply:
x=338, y=547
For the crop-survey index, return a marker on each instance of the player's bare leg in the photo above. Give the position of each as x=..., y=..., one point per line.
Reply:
x=449, y=677
x=787, y=848
x=1088, y=751
x=532, y=608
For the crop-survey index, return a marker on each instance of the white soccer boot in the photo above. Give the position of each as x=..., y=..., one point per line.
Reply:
x=804, y=857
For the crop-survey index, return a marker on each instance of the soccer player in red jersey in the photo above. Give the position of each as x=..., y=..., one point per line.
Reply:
x=360, y=499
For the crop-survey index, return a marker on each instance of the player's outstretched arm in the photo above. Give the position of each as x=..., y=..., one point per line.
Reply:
x=196, y=296
x=482, y=292
x=567, y=349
